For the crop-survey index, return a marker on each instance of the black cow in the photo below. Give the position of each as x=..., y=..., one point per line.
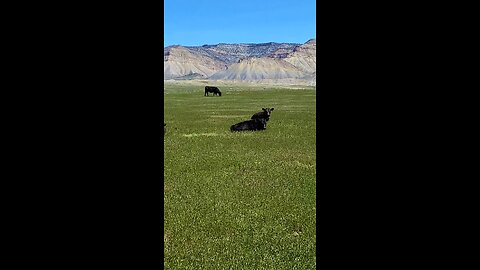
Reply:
x=212, y=89
x=255, y=124
x=264, y=114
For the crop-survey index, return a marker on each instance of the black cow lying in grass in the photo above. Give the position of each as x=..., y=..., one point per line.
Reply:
x=212, y=89
x=264, y=114
x=255, y=124
x=164, y=128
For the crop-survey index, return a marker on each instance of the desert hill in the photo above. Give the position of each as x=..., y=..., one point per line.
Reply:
x=243, y=62
x=179, y=62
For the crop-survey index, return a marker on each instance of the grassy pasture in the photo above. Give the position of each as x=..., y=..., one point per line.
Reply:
x=239, y=200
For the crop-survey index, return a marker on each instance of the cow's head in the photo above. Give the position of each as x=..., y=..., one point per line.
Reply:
x=267, y=111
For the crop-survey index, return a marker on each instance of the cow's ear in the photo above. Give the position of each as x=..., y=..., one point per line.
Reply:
x=271, y=109
x=263, y=109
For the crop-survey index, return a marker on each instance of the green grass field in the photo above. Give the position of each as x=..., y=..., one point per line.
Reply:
x=239, y=200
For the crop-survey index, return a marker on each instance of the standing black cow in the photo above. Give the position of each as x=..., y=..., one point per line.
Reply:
x=264, y=114
x=255, y=124
x=212, y=89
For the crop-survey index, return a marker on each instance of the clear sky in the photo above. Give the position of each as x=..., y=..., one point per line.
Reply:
x=200, y=22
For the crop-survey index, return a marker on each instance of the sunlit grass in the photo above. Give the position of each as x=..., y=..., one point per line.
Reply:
x=241, y=200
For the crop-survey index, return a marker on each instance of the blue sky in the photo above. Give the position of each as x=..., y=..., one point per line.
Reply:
x=200, y=22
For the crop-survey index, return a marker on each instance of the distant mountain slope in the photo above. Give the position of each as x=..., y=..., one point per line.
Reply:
x=179, y=62
x=258, y=69
x=246, y=62
x=304, y=57
x=232, y=53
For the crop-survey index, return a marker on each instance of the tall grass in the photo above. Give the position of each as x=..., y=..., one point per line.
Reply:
x=239, y=200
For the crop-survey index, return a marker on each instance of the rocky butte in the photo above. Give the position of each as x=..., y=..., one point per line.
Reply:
x=263, y=62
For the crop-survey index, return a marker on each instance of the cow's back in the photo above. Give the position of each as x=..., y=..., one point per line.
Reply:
x=211, y=88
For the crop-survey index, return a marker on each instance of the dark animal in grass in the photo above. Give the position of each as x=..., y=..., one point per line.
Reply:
x=265, y=113
x=212, y=89
x=164, y=128
x=255, y=124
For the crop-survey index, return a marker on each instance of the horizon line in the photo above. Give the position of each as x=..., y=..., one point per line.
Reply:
x=245, y=43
